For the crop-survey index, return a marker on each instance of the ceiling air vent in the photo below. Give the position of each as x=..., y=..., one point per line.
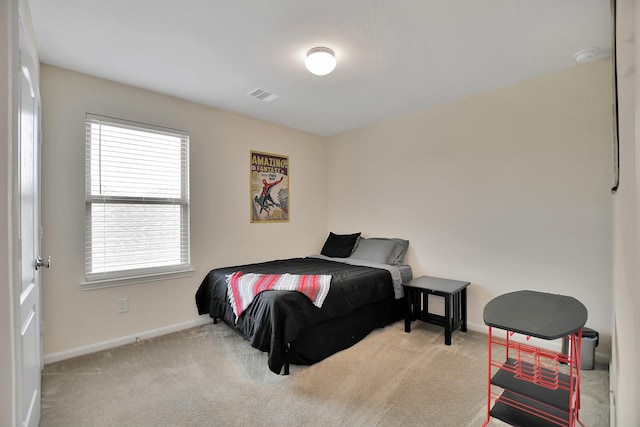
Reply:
x=262, y=95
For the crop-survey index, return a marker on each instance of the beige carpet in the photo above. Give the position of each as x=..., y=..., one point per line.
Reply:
x=209, y=376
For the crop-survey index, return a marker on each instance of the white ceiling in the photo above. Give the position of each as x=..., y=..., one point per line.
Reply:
x=394, y=56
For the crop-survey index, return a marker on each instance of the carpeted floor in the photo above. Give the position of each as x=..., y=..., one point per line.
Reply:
x=210, y=376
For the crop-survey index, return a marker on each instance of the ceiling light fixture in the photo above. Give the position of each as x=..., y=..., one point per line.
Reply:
x=320, y=61
x=585, y=55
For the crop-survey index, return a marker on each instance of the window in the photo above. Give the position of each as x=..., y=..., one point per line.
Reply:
x=137, y=200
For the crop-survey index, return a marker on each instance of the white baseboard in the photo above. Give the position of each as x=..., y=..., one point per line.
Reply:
x=129, y=339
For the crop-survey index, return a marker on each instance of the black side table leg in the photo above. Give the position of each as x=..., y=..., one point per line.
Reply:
x=447, y=319
x=407, y=315
x=463, y=328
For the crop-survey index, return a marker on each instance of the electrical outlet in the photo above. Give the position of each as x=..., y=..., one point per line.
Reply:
x=123, y=305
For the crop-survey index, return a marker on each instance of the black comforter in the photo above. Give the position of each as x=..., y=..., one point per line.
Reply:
x=276, y=318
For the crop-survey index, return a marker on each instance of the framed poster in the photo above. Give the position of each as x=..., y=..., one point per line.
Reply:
x=269, y=187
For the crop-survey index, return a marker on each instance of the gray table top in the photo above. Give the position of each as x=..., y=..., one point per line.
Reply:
x=437, y=284
x=537, y=314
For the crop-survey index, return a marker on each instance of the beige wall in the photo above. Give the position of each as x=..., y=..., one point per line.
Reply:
x=509, y=189
x=221, y=231
x=625, y=371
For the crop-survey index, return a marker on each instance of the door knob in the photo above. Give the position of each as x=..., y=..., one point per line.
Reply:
x=43, y=262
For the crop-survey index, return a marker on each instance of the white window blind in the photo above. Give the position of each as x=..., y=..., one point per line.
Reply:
x=137, y=199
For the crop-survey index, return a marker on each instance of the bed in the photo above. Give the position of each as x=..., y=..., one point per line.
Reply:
x=365, y=293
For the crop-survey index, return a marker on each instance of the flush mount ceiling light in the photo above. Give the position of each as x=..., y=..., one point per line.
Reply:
x=585, y=55
x=320, y=61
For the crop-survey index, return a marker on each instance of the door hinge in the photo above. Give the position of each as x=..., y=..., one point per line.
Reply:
x=41, y=233
x=42, y=328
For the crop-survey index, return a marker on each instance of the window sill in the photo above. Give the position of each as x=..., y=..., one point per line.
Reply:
x=132, y=280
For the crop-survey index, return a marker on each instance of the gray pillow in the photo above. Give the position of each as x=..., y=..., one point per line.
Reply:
x=381, y=250
x=402, y=248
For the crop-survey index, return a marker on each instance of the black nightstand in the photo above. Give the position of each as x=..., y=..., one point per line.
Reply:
x=455, y=303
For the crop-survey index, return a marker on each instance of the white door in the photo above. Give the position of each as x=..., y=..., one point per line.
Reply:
x=29, y=345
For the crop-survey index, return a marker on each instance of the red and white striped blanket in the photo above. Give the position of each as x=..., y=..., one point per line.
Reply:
x=242, y=288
